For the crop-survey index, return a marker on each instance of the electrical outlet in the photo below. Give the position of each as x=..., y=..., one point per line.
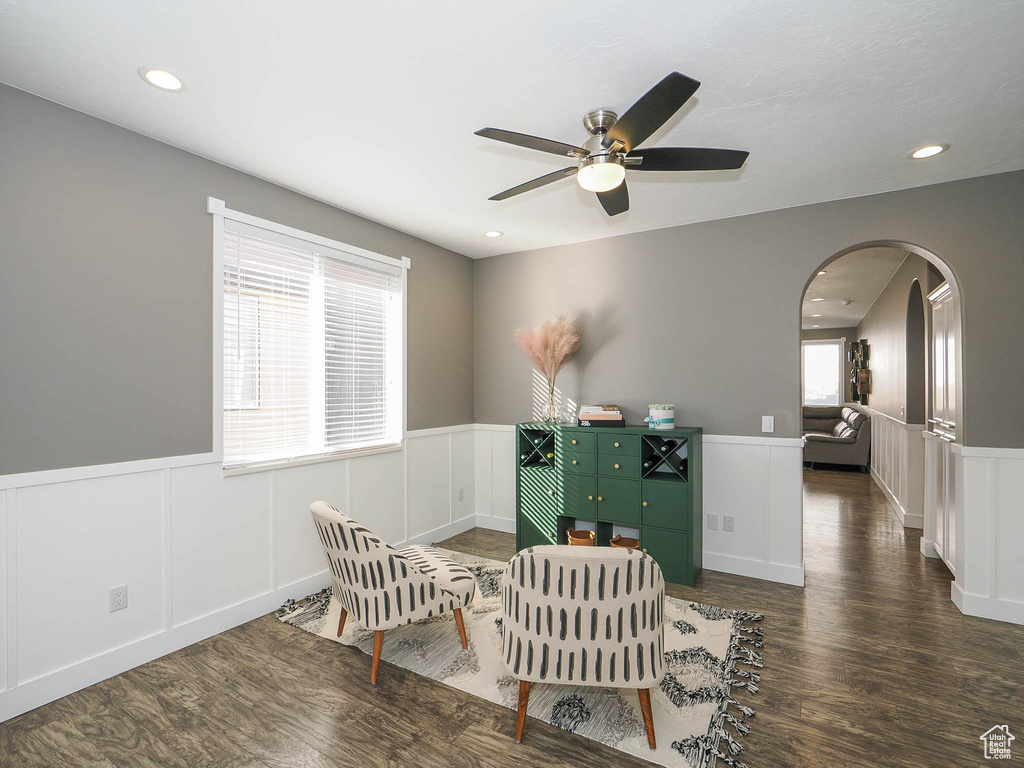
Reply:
x=118, y=598
x=728, y=523
x=767, y=423
x=712, y=522
x=462, y=494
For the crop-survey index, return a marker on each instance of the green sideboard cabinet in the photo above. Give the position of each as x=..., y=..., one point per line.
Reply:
x=615, y=478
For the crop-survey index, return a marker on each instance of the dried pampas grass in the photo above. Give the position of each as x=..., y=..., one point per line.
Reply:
x=550, y=345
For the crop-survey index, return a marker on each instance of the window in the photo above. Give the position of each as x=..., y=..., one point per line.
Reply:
x=822, y=372
x=313, y=345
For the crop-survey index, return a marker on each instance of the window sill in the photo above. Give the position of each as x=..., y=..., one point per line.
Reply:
x=267, y=466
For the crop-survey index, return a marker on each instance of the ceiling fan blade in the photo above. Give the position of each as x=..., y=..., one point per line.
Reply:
x=532, y=142
x=685, y=159
x=615, y=201
x=651, y=111
x=540, y=181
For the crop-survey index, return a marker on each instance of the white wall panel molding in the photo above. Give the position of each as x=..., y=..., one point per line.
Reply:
x=990, y=570
x=52, y=476
x=200, y=552
x=760, y=483
x=897, y=465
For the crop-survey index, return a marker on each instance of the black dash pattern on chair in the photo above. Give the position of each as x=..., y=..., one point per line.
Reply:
x=382, y=587
x=593, y=619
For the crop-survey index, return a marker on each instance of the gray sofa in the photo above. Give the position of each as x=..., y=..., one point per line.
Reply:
x=836, y=435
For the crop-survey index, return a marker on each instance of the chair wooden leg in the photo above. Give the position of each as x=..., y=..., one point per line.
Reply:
x=462, y=627
x=645, y=705
x=378, y=646
x=341, y=621
x=524, y=699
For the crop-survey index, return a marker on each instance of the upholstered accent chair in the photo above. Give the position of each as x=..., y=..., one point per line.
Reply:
x=584, y=616
x=383, y=587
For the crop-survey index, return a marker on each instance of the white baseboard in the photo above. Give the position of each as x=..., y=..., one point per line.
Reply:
x=928, y=548
x=906, y=520
x=50, y=687
x=442, y=533
x=987, y=607
x=755, y=569
x=496, y=523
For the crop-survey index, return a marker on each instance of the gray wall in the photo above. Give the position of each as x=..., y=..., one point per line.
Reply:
x=810, y=334
x=885, y=328
x=106, y=292
x=708, y=315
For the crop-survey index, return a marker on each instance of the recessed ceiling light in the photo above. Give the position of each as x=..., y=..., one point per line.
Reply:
x=815, y=326
x=493, y=233
x=821, y=272
x=930, y=151
x=818, y=299
x=815, y=315
x=162, y=79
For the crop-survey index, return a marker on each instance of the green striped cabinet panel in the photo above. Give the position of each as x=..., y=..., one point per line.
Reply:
x=632, y=480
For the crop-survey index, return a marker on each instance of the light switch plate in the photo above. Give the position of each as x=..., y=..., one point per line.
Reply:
x=767, y=423
x=712, y=522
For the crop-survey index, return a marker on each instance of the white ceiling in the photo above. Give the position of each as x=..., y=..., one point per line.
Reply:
x=858, y=278
x=372, y=106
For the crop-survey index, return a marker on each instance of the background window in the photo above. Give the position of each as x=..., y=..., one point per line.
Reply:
x=313, y=349
x=822, y=369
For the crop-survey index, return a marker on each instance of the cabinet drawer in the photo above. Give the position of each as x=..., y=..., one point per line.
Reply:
x=618, y=501
x=579, y=494
x=580, y=463
x=618, y=445
x=671, y=550
x=665, y=504
x=618, y=466
x=578, y=440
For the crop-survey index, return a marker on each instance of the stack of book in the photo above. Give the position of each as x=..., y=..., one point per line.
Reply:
x=600, y=416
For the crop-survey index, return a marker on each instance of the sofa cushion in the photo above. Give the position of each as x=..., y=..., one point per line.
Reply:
x=842, y=429
x=823, y=437
x=854, y=418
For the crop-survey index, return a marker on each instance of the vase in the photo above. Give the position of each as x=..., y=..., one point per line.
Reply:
x=550, y=411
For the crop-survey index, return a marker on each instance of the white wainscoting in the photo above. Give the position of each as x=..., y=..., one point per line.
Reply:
x=200, y=552
x=759, y=481
x=990, y=533
x=897, y=465
x=496, y=477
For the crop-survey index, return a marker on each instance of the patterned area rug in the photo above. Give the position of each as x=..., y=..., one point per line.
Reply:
x=710, y=653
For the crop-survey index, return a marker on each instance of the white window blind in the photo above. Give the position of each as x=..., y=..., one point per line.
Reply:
x=313, y=349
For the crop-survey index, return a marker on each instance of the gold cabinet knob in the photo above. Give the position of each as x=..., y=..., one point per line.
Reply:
x=645, y=551
x=552, y=493
x=645, y=503
x=574, y=461
x=552, y=534
x=574, y=442
x=590, y=498
x=616, y=445
x=600, y=498
x=616, y=466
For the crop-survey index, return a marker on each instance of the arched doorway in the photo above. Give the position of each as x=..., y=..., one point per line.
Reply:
x=913, y=424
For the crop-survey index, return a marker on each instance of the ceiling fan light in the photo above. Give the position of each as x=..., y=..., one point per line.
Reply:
x=600, y=173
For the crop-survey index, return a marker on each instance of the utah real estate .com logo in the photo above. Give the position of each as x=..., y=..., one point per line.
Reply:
x=997, y=742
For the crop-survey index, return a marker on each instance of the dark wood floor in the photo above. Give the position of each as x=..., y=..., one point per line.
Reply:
x=869, y=665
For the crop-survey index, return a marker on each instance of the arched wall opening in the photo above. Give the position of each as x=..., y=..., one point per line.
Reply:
x=913, y=465
x=916, y=355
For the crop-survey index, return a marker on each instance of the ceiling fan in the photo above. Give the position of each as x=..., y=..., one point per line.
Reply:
x=603, y=159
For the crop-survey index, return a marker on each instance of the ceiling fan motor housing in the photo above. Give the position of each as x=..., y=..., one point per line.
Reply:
x=599, y=122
